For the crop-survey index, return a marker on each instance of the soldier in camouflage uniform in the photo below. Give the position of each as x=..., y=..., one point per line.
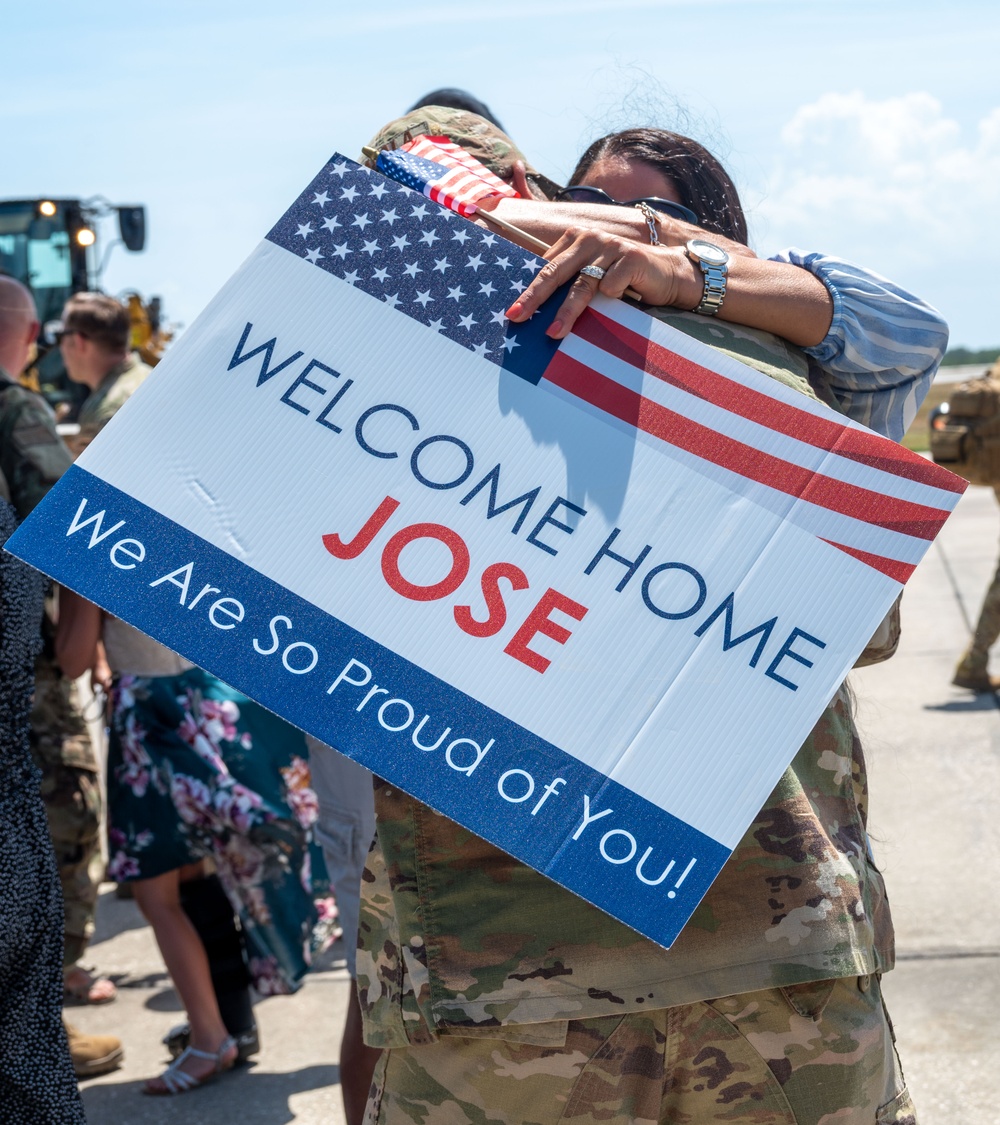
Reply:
x=62, y=749
x=502, y=997
x=973, y=668
x=33, y=459
x=95, y=346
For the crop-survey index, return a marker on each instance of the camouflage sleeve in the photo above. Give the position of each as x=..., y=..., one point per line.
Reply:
x=93, y=418
x=105, y=403
x=32, y=455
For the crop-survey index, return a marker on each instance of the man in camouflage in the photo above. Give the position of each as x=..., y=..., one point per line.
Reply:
x=62, y=749
x=501, y=997
x=32, y=458
x=60, y=743
x=96, y=347
x=973, y=668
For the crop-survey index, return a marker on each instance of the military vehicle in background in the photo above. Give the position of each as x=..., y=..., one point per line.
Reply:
x=53, y=247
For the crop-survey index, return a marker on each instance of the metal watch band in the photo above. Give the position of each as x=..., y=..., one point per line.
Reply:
x=714, y=275
x=714, y=292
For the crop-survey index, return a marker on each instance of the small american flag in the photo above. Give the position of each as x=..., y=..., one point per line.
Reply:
x=444, y=172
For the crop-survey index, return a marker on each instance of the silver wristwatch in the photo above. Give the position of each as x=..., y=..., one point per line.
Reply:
x=714, y=263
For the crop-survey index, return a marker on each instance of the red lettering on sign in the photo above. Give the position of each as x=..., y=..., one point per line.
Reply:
x=373, y=525
x=538, y=621
x=496, y=610
x=460, y=562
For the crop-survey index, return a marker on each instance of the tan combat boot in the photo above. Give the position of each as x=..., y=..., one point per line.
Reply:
x=971, y=673
x=93, y=1054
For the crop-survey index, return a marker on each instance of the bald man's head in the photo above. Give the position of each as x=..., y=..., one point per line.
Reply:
x=18, y=325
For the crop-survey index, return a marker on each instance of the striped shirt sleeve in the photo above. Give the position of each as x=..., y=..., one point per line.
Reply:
x=883, y=348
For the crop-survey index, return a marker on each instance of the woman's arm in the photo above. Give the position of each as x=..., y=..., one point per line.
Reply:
x=883, y=347
x=77, y=633
x=548, y=221
x=774, y=296
x=874, y=347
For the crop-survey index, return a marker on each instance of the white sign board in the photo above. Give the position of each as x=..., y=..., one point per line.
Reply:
x=587, y=600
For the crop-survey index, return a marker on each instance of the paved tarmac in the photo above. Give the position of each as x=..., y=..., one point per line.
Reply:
x=934, y=754
x=934, y=758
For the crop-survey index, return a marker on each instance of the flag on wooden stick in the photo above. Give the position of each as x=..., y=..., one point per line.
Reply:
x=444, y=172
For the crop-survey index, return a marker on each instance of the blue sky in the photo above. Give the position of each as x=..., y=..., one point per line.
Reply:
x=867, y=129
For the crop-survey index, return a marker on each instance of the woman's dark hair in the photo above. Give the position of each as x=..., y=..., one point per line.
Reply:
x=701, y=181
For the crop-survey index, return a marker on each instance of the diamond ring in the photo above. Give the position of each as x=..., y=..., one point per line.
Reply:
x=593, y=271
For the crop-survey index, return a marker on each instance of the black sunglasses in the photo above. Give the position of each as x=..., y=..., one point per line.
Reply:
x=581, y=193
x=63, y=333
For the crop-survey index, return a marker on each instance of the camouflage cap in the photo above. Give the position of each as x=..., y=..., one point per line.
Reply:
x=486, y=141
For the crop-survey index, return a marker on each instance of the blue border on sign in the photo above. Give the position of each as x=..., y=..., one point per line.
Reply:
x=608, y=879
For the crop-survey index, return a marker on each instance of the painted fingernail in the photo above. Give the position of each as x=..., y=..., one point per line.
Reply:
x=515, y=310
x=554, y=330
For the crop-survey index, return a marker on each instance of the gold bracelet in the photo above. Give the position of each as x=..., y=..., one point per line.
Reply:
x=650, y=216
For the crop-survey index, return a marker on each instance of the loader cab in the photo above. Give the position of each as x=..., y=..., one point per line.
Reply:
x=51, y=246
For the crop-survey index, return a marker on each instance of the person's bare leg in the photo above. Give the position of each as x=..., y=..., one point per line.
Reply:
x=357, y=1063
x=184, y=956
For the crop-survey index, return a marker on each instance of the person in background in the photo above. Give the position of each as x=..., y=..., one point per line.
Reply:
x=62, y=749
x=38, y=1053
x=209, y=801
x=209, y=807
x=345, y=827
x=94, y=341
x=972, y=672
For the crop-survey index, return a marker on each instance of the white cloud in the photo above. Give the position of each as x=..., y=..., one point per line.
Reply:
x=898, y=186
x=898, y=166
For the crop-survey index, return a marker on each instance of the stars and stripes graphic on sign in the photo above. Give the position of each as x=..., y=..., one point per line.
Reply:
x=860, y=492
x=855, y=490
x=444, y=172
x=423, y=260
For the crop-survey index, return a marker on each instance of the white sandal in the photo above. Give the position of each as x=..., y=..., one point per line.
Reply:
x=178, y=1081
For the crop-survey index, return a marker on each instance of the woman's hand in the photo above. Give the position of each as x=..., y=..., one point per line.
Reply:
x=774, y=296
x=658, y=275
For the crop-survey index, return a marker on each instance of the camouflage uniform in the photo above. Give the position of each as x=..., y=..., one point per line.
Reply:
x=975, y=661
x=476, y=135
x=107, y=399
x=62, y=749
x=32, y=458
x=766, y=1058
x=503, y=997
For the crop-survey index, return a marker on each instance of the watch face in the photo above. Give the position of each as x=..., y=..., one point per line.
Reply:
x=708, y=252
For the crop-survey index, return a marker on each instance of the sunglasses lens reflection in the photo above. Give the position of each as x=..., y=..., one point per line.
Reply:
x=577, y=193
x=580, y=193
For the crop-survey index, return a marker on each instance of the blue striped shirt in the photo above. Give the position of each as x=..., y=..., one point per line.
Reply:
x=883, y=348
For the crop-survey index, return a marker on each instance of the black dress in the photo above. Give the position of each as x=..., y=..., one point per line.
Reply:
x=37, y=1084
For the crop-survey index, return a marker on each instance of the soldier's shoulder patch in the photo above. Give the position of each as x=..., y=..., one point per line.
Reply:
x=32, y=433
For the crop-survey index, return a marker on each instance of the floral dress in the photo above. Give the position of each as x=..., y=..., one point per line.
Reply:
x=196, y=769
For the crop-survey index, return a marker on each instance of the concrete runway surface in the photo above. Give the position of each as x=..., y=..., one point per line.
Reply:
x=934, y=758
